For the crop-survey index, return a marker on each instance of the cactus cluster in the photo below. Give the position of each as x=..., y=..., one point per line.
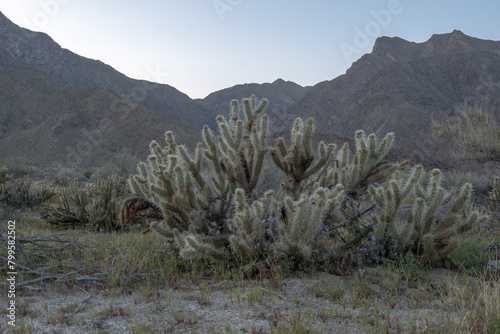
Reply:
x=96, y=206
x=366, y=167
x=430, y=226
x=209, y=202
x=192, y=202
x=493, y=202
x=298, y=161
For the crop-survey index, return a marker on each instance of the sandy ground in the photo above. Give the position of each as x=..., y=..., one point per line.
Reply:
x=249, y=307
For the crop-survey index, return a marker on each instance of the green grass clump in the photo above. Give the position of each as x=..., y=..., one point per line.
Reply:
x=471, y=253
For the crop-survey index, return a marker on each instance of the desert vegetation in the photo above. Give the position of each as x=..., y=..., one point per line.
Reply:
x=241, y=235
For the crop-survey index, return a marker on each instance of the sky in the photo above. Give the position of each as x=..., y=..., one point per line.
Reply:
x=201, y=46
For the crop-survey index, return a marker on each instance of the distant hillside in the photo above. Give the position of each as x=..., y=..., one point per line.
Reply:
x=400, y=86
x=49, y=124
x=66, y=67
x=280, y=95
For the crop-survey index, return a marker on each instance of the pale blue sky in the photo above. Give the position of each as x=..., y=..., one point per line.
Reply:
x=200, y=46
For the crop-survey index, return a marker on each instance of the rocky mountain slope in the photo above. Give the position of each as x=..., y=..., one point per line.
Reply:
x=67, y=68
x=58, y=108
x=280, y=94
x=400, y=86
x=46, y=123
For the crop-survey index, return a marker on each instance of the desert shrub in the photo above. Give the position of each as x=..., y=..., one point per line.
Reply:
x=332, y=203
x=20, y=193
x=64, y=175
x=95, y=207
x=87, y=174
x=470, y=253
x=17, y=167
x=122, y=164
x=455, y=179
x=476, y=133
x=3, y=175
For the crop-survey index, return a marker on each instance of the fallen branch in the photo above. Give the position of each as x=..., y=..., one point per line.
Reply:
x=81, y=304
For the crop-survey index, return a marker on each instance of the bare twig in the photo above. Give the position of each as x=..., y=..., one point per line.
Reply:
x=81, y=304
x=35, y=248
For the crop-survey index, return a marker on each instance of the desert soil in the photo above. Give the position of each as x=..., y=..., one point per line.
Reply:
x=248, y=307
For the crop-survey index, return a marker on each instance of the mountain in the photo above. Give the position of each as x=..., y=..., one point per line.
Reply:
x=400, y=86
x=280, y=95
x=67, y=68
x=46, y=123
x=60, y=109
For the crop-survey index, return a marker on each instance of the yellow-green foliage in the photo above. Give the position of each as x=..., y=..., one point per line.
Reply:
x=476, y=132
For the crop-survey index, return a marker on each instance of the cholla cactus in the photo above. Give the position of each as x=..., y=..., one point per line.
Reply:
x=289, y=226
x=223, y=214
x=21, y=194
x=298, y=161
x=95, y=207
x=365, y=167
x=192, y=202
x=389, y=199
x=436, y=233
x=437, y=217
x=493, y=202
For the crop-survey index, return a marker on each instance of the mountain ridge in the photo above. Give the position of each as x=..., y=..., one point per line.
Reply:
x=41, y=51
x=398, y=87
x=280, y=94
